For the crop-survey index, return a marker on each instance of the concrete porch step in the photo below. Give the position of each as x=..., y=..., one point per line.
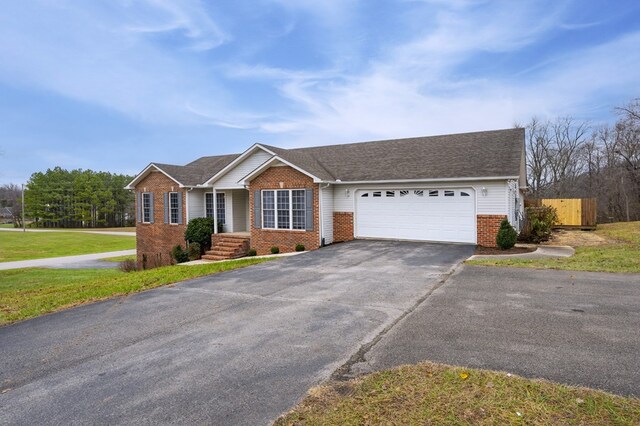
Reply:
x=216, y=257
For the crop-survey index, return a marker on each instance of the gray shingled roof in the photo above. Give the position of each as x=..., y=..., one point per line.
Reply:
x=199, y=171
x=495, y=153
x=479, y=154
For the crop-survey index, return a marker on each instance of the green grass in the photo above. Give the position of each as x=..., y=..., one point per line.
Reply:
x=120, y=258
x=37, y=245
x=435, y=394
x=6, y=225
x=622, y=254
x=30, y=292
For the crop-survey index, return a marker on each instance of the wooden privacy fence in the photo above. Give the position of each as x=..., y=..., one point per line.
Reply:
x=572, y=212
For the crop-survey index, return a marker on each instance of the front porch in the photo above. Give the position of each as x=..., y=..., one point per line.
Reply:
x=230, y=209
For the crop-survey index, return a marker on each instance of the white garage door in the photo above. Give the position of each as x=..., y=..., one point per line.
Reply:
x=417, y=214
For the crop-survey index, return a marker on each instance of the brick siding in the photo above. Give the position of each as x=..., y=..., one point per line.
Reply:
x=263, y=239
x=155, y=240
x=487, y=228
x=342, y=226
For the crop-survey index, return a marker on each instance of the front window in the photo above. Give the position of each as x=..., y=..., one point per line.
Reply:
x=173, y=208
x=284, y=209
x=220, y=206
x=146, y=207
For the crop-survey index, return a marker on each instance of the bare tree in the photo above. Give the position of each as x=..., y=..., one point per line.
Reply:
x=537, y=146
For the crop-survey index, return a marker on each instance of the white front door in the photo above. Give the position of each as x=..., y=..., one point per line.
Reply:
x=427, y=214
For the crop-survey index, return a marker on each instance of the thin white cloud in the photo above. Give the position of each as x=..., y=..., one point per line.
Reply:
x=102, y=55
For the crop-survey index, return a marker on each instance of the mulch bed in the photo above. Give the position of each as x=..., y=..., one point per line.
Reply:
x=495, y=250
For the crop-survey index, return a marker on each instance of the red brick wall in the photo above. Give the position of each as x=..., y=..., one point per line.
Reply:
x=263, y=239
x=487, y=228
x=155, y=240
x=342, y=226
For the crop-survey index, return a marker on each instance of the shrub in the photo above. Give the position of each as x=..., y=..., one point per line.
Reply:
x=199, y=231
x=275, y=250
x=299, y=247
x=507, y=235
x=252, y=252
x=128, y=265
x=538, y=224
x=179, y=255
x=194, y=251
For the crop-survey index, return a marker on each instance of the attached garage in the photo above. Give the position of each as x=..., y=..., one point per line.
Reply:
x=428, y=214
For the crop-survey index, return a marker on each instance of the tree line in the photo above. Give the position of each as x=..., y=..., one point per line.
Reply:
x=567, y=158
x=59, y=198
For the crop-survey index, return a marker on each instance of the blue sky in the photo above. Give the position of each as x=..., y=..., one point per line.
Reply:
x=113, y=85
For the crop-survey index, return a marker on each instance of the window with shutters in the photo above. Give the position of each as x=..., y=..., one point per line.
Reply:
x=173, y=208
x=284, y=209
x=146, y=207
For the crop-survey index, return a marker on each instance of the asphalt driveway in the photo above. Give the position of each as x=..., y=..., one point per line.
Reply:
x=239, y=347
x=571, y=327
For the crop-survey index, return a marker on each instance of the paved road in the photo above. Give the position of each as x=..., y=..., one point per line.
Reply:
x=572, y=327
x=81, y=261
x=239, y=347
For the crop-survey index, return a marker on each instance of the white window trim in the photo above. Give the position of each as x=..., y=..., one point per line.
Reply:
x=146, y=194
x=171, y=208
x=275, y=209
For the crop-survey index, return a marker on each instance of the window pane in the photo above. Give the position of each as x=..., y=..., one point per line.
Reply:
x=209, y=204
x=298, y=201
x=299, y=219
x=267, y=200
x=283, y=210
x=220, y=207
x=173, y=207
x=268, y=209
x=268, y=218
x=448, y=193
x=146, y=208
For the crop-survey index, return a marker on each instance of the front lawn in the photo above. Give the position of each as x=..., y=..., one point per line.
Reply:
x=621, y=253
x=435, y=394
x=37, y=245
x=30, y=292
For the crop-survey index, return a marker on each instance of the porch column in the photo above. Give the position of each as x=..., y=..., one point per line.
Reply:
x=215, y=211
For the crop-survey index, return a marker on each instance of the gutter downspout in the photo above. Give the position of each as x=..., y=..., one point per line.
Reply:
x=321, y=215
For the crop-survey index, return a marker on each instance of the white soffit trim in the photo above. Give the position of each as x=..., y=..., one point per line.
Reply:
x=245, y=180
x=144, y=173
x=235, y=162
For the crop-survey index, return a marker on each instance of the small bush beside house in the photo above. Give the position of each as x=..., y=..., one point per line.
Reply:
x=199, y=231
x=179, y=255
x=275, y=250
x=539, y=223
x=299, y=247
x=507, y=235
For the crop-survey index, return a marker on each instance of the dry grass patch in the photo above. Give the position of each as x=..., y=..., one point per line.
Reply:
x=435, y=394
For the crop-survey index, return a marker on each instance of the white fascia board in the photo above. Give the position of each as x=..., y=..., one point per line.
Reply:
x=245, y=180
x=235, y=162
x=360, y=182
x=144, y=173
